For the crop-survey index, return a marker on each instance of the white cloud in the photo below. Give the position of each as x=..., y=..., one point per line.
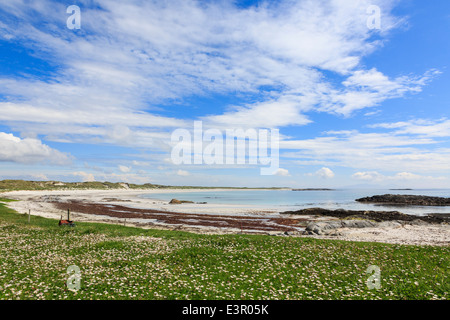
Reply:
x=28, y=150
x=183, y=173
x=400, y=176
x=282, y=172
x=124, y=169
x=40, y=176
x=407, y=176
x=266, y=114
x=370, y=151
x=324, y=173
x=141, y=163
x=86, y=177
x=152, y=52
x=372, y=113
x=368, y=176
x=368, y=88
x=139, y=178
x=420, y=127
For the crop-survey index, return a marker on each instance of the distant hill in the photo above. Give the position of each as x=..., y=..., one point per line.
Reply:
x=314, y=189
x=15, y=185
x=11, y=185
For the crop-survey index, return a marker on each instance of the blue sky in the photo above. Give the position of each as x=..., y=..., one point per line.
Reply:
x=354, y=105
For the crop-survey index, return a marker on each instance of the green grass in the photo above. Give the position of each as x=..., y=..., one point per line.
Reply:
x=118, y=262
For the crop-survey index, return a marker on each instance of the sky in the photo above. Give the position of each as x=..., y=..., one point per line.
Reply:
x=358, y=90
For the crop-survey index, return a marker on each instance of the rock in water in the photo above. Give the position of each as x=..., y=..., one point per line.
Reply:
x=176, y=201
x=407, y=199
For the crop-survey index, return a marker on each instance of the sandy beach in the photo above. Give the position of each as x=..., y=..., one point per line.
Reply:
x=128, y=207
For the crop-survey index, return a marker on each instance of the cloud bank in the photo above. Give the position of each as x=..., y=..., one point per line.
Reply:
x=29, y=151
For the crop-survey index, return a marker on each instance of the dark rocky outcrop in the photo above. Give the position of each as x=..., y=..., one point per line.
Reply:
x=406, y=199
x=377, y=216
x=362, y=219
x=176, y=201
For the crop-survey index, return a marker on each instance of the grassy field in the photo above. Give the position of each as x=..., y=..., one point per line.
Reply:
x=119, y=262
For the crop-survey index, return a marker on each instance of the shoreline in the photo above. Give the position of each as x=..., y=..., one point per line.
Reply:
x=114, y=206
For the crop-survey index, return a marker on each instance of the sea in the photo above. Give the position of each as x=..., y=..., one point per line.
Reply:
x=287, y=200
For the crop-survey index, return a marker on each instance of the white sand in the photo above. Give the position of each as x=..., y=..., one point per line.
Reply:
x=37, y=203
x=130, y=198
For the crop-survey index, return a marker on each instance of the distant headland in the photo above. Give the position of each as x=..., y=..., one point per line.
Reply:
x=16, y=185
x=314, y=189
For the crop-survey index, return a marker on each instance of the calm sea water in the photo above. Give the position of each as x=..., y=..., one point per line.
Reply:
x=284, y=200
